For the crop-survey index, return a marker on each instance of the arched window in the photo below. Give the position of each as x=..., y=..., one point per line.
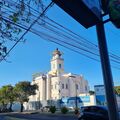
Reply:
x=77, y=86
x=66, y=86
x=60, y=65
x=62, y=86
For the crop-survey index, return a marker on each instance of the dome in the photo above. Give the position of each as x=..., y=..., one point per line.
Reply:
x=57, y=52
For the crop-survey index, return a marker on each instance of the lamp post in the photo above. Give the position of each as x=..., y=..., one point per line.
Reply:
x=76, y=105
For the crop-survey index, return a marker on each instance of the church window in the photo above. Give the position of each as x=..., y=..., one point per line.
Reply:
x=66, y=86
x=62, y=86
x=77, y=86
x=86, y=88
x=59, y=65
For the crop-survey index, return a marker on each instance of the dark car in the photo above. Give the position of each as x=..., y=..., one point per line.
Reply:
x=93, y=113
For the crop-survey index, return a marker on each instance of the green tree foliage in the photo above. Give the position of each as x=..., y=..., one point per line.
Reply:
x=7, y=96
x=91, y=92
x=23, y=90
x=52, y=109
x=117, y=90
x=64, y=110
x=15, y=12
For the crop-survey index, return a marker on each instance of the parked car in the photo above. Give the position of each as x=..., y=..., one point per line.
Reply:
x=46, y=109
x=93, y=113
x=70, y=108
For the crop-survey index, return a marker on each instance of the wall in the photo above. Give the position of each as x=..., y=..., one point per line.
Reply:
x=83, y=100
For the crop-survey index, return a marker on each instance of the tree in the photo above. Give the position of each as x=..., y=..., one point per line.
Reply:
x=15, y=12
x=114, y=12
x=15, y=17
x=10, y=96
x=3, y=100
x=23, y=90
x=91, y=92
x=117, y=90
x=7, y=96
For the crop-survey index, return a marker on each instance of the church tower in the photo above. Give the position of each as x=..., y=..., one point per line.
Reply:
x=57, y=62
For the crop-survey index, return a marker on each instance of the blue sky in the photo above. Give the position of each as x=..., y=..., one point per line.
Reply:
x=35, y=54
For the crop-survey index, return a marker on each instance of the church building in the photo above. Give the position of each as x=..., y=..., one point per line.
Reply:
x=56, y=84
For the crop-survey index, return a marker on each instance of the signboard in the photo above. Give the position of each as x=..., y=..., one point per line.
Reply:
x=105, y=4
x=114, y=12
x=99, y=89
x=100, y=94
x=94, y=6
x=85, y=98
x=86, y=12
x=100, y=100
x=71, y=101
x=80, y=99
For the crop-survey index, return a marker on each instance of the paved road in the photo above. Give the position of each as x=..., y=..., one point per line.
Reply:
x=37, y=117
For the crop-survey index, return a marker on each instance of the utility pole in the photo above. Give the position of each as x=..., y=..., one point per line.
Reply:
x=107, y=75
x=76, y=95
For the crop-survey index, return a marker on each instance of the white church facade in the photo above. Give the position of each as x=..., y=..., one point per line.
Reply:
x=56, y=84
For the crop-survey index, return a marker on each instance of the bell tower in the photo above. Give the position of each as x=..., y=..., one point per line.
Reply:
x=57, y=62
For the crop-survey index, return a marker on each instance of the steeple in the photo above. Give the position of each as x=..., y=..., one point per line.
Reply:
x=57, y=53
x=57, y=62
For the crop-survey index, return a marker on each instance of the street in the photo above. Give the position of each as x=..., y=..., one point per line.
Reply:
x=19, y=116
x=37, y=117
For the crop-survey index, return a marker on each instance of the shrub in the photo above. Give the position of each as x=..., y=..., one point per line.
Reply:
x=52, y=109
x=64, y=110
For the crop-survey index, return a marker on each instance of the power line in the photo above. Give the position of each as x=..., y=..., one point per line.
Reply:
x=95, y=46
x=52, y=39
x=71, y=45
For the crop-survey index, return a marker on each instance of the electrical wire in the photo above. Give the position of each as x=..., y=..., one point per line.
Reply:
x=71, y=34
x=59, y=42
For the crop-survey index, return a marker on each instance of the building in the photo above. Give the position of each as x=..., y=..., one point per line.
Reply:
x=56, y=84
